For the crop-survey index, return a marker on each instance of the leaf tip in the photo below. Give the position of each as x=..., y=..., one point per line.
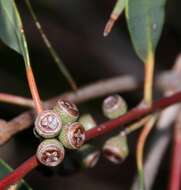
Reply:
x=108, y=27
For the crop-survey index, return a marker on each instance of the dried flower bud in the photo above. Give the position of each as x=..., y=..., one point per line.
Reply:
x=67, y=111
x=115, y=149
x=114, y=106
x=87, y=121
x=50, y=152
x=88, y=156
x=72, y=135
x=48, y=124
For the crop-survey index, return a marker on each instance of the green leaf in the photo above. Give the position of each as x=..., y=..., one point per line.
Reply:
x=116, y=12
x=145, y=20
x=5, y=169
x=11, y=30
x=119, y=7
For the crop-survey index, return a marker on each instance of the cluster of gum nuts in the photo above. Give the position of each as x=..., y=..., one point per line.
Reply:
x=60, y=129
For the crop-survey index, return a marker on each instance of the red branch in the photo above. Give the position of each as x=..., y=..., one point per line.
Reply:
x=19, y=173
x=134, y=114
x=175, y=177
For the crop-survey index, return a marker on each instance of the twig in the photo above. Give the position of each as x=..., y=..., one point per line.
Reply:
x=21, y=171
x=29, y=72
x=140, y=149
x=175, y=177
x=135, y=126
x=17, y=100
x=98, y=89
x=160, y=142
x=149, y=64
x=132, y=115
x=33, y=89
x=169, y=83
x=136, y=113
x=148, y=79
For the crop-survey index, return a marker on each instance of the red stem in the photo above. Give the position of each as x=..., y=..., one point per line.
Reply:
x=18, y=174
x=175, y=178
x=34, y=90
x=134, y=114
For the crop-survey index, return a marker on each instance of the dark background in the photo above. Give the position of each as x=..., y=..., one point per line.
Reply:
x=75, y=30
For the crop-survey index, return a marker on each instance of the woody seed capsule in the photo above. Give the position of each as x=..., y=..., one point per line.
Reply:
x=72, y=135
x=87, y=121
x=114, y=106
x=50, y=152
x=88, y=156
x=115, y=149
x=67, y=111
x=48, y=124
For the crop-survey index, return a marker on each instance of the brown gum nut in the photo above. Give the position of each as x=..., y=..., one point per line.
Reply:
x=50, y=152
x=67, y=111
x=72, y=136
x=48, y=124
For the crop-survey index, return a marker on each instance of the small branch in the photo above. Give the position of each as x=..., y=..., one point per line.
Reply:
x=175, y=177
x=21, y=171
x=33, y=89
x=100, y=130
x=148, y=82
x=17, y=100
x=160, y=142
x=132, y=115
x=169, y=83
x=148, y=98
x=29, y=72
x=135, y=126
x=140, y=148
x=98, y=89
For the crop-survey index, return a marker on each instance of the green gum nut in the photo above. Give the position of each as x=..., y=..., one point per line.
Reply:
x=88, y=156
x=67, y=111
x=87, y=121
x=114, y=106
x=72, y=135
x=116, y=149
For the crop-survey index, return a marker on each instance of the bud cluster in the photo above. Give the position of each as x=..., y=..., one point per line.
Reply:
x=60, y=123
x=60, y=128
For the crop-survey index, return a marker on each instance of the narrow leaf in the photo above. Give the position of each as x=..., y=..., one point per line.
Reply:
x=50, y=48
x=117, y=10
x=11, y=30
x=145, y=20
x=5, y=169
